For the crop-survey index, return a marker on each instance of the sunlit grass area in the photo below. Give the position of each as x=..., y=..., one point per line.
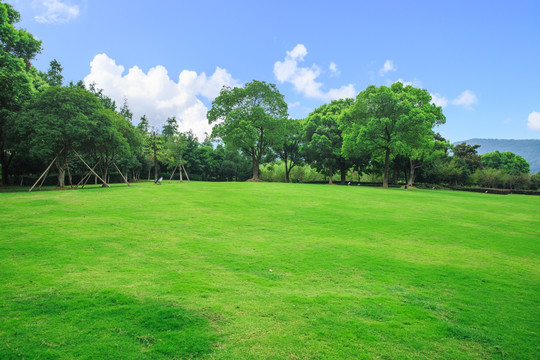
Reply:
x=268, y=271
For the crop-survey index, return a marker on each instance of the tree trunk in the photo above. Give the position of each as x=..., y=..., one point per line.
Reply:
x=61, y=176
x=255, y=168
x=343, y=172
x=155, y=159
x=287, y=171
x=61, y=165
x=412, y=173
x=105, y=174
x=386, y=165
x=330, y=174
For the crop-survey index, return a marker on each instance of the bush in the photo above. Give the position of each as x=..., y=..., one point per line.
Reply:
x=275, y=172
x=493, y=178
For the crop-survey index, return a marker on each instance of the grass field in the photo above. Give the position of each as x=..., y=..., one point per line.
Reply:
x=268, y=271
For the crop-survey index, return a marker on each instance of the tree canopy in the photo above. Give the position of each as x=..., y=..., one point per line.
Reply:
x=324, y=139
x=506, y=161
x=18, y=79
x=58, y=122
x=250, y=119
x=389, y=121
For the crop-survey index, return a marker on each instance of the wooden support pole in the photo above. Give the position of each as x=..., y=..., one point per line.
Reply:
x=173, y=173
x=185, y=172
x=92, y=170
x=44, y=178
x=87, y=176
x=87, y=179
x=46, y=171
x=83, y=179
x=123, y=177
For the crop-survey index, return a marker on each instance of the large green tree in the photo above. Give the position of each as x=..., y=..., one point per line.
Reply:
x=249, y=118
x=324, y=140
x=18, y=79
x=390, y=120
x=507, y=161
x=111, y=139
x=60, y=121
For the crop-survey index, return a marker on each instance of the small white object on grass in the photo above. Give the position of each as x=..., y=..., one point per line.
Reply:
x=270, y=270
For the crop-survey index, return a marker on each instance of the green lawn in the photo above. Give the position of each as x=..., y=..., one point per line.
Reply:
x=268, y=271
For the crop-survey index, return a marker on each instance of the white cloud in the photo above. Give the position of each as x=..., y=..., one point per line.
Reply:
x=304, y=78
x=57, y=11
x=439, y=100
x=333, y=68
x=387, y=67
x=533, y=122
x=466, y=99
x=157, y=96
x=298, y=52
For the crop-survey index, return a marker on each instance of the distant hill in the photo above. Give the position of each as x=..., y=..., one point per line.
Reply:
x=528, y=149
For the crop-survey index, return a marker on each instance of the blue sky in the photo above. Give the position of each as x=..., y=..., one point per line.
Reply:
x=479, y=59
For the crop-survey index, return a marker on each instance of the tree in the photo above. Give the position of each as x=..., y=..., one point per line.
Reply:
x=126, y=112
x=249, y=119
x=58, y=122
x=507, y=161
x=324, y=138
x=389, y=121
x=18, y=79
x=54, y=75
x=106, y=101
x=433, y=148
x=109, y=140
x=17, y=42
x=143, y=124
x=469, y=154
x=170, y=129
x=289, y=151
x=145, y=156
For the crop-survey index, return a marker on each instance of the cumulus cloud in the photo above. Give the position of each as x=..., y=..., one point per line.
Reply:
x=533, y=122
x=439, y=100
x=56, y=11
x=156, y=95
x=387, y=67
x=466, y=99
x=304, y=78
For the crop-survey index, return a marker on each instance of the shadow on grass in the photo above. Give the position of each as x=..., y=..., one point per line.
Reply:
x=103, y=325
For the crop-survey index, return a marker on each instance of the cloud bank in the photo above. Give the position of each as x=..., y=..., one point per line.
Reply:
x=57, y=11
x=304, y=78
x=157, y=96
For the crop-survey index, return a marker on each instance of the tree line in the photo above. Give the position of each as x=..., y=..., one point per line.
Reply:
x=387, y=132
